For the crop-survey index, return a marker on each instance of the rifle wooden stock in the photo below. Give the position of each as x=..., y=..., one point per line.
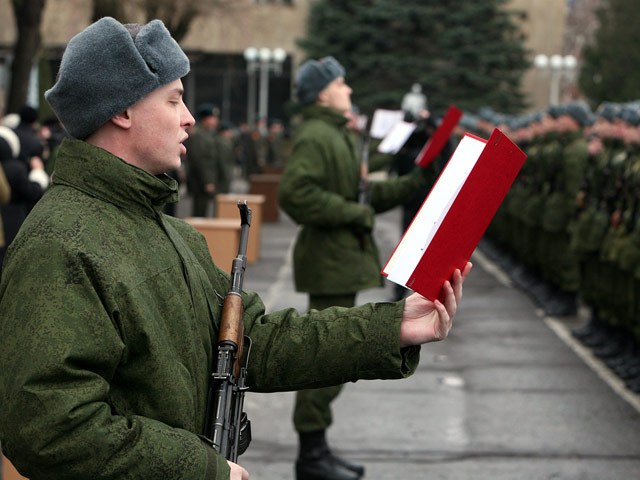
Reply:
x=231, y=327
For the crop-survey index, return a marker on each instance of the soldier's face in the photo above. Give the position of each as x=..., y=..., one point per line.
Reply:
x=159, y=125
x=336, y=95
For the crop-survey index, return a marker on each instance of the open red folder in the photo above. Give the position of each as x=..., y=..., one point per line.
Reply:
x=455, y=214
x=438, y=140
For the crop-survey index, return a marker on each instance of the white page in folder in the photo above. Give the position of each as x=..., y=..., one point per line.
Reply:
x=383, y=121
x=397, y=137
x=427, y=221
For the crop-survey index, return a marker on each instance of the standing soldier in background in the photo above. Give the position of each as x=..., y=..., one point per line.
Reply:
x=247, y=151
x=622, y=251
x=227, y=159
x=335, y=255
x=276, y=146
x=547, y=153
x=564, y=173
x=203, y=162
x=596, y=200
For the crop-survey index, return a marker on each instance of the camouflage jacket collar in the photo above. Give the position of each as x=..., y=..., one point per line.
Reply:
x=101, y=174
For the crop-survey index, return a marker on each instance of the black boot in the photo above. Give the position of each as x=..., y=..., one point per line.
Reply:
x=317, y=462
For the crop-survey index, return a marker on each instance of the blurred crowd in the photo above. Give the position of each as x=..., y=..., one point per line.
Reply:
x=27, y=154
x=229, y=155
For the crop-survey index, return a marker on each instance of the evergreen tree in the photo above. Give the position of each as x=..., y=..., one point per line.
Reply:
x=611, y=64
x=462, y=52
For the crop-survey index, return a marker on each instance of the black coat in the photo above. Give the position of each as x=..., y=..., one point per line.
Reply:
x=30, y=143
x=24, y=194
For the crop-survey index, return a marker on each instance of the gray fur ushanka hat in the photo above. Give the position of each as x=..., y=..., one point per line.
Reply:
x=108, y=67
x=314, y=75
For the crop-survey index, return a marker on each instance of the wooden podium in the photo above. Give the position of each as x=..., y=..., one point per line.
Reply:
x=267, y=185
x=223, y=238
x=227, y=207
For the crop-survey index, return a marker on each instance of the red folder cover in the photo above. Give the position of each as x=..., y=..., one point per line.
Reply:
x=455, y=214
x=436, y=143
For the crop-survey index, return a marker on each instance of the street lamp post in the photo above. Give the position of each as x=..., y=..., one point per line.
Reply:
x=251, y=57
x=559, y=67
x=265, y=60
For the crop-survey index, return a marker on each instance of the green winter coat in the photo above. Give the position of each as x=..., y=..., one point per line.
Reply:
x=109, y=312
x=335, y=252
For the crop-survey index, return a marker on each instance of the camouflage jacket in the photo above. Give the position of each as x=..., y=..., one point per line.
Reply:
x=109, y=315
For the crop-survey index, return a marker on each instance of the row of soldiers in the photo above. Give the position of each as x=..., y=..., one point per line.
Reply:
x=570, y=225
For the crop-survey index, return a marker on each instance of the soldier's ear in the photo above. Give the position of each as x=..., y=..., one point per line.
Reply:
x=122, y=120
x=323, y=97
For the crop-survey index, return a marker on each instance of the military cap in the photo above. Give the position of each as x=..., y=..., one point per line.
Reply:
x=555, y=111
x=205, y=110
x=608, y=110
x=579, y=111
x=630, y=113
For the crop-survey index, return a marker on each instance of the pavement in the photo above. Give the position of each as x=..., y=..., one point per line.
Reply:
x=509, y=395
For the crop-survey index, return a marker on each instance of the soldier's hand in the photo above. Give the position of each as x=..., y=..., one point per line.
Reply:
x=237, y=472
x=425, y=321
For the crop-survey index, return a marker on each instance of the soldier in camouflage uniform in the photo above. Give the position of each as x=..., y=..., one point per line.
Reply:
x=625, y=254
x=110, y=308
x=534, y=238
x=528, y=210
x=227, y=158
x=203, y=160
x=335, y=255
x=564, y=173
x=501, y=227
x=599, y=196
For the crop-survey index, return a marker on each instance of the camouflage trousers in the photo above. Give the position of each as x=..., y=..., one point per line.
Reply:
x=312, y=410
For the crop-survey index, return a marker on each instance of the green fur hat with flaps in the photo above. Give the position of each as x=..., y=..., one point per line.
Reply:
x=108, y=67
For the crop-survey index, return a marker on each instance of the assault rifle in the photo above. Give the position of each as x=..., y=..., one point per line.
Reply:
x=227, y=428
